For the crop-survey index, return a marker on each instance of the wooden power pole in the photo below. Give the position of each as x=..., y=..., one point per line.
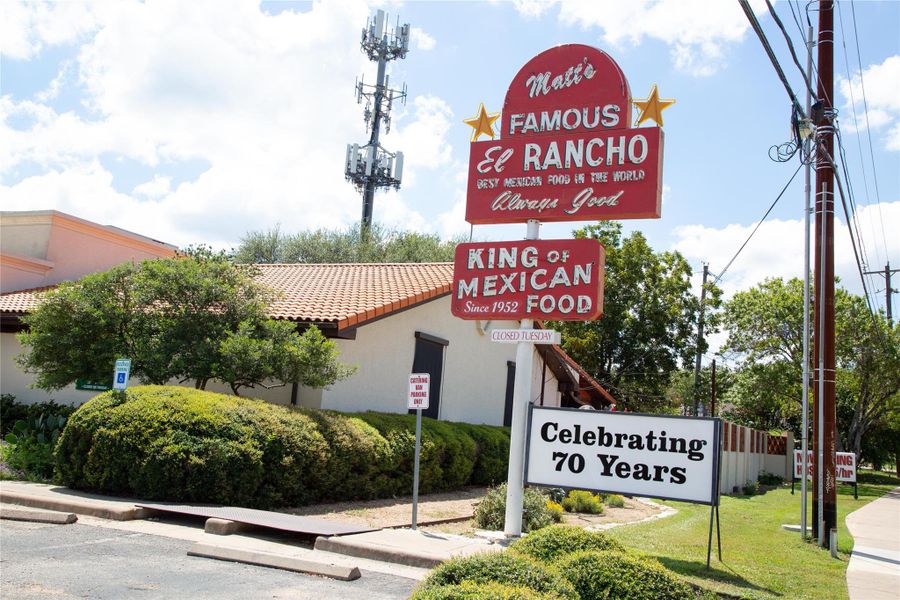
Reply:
x=888, y=290
x=824, y=433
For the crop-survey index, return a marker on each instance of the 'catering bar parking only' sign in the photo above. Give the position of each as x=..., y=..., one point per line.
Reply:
x=673, y=458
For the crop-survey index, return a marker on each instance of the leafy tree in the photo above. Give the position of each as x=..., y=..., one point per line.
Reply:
x=765, y=329
x=648, y=328
x=190, y=318
x=273, y=350
x=82, y=328
x=681, y=386
x=343, y=246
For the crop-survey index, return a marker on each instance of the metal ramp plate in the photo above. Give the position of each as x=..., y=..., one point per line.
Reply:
x=262, y=518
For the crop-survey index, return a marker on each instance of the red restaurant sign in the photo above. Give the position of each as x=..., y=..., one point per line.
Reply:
x=532, y=279
x=567, y=150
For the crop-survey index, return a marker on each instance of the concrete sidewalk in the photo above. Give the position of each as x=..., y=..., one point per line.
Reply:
x=399, y=551
x=874, y=569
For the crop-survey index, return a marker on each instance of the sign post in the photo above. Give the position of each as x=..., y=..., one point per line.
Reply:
x=419, y=387
x=122, y=373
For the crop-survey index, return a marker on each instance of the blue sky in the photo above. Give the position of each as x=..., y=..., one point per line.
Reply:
x=196, y=122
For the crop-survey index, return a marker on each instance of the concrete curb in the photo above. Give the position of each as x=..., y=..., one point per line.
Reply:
x=36, y=516
x=362, y=549
x=275, y=561
x=74, y=504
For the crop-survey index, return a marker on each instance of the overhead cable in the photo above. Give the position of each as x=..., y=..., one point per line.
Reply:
x=736, y=254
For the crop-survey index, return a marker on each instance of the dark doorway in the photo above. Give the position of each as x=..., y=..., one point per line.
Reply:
x=429, y=358
x=510, y=387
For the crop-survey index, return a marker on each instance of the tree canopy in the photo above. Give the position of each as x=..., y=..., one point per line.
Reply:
x=197, y=317
x=377, y=244
x=765, y=332
x=648, y=328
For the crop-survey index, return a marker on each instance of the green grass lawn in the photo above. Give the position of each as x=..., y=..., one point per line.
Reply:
x=759, y=558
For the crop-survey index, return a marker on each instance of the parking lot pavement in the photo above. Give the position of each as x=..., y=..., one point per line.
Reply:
x=83, y=561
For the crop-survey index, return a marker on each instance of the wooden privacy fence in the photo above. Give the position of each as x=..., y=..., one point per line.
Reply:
x=749, y=452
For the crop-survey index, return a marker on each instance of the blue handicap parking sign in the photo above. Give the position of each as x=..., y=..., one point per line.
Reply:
x=120, y=377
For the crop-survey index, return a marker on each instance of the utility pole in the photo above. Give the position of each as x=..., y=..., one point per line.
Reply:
x=712, y=390
x=825, y=510
x=807, y=190
x=888, y=291
x=699, y=342
x=370, y=166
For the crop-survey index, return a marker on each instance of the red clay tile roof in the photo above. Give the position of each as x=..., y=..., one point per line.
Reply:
x=351, y=294
x=22, y=301
x=345, y=295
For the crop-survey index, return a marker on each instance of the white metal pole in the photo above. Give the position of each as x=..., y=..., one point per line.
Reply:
x=820, y=441
x=805, y=427
x=415, y=508
x=512, y=524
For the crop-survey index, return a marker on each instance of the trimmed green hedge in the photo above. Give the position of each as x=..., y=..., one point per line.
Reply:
x=180, y=444
x=550, y=543
x=482, y=591
x=507, y=568
x=612, y=574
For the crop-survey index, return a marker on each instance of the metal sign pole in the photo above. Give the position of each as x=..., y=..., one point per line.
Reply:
x=416, y=467
x=512, y=524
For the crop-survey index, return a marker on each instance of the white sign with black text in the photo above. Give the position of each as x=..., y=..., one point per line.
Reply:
x=534, y=336
x=419, y=386
x=673, y=458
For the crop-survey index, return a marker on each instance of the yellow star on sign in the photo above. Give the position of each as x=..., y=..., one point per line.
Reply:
x=482, y=123
x=652, y=106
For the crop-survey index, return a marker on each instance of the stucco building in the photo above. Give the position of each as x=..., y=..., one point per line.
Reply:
x=387, y=319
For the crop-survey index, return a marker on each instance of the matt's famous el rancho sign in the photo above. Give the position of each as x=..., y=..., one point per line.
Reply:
x=566, y=151
x=540, y=279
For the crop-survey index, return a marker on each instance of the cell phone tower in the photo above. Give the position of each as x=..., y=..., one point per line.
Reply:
x=371, y=166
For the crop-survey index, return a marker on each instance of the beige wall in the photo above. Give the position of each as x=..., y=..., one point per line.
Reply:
x=64, y=248
x=474, y=378
x=15, y=381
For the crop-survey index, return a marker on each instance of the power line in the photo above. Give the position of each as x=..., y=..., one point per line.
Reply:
x=855, y=120
x=790, y=44
x=736, y=254
x=757, y=28
x=837, y=178
x=862, y=86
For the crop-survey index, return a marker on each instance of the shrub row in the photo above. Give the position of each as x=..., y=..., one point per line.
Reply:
x=12, y=411
x=560, y=561
x=179, y=444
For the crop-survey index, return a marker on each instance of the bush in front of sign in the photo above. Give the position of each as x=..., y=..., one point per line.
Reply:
x=508, y=568
x=492, y=454
x=448, y=459
x=491, y=511
x=611, y=574
x=551, y=543
x=582, y=501
x=469, y=590
x=615, y=501
x=186, y=445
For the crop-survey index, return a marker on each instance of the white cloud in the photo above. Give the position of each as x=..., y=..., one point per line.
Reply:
x=881, y=83
x=422, y=40
x=533, y=8
x=263, y=100
x=697, y=31
x=27, y=27
x=424, y=139
x=154, y=189
x=776, y=250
